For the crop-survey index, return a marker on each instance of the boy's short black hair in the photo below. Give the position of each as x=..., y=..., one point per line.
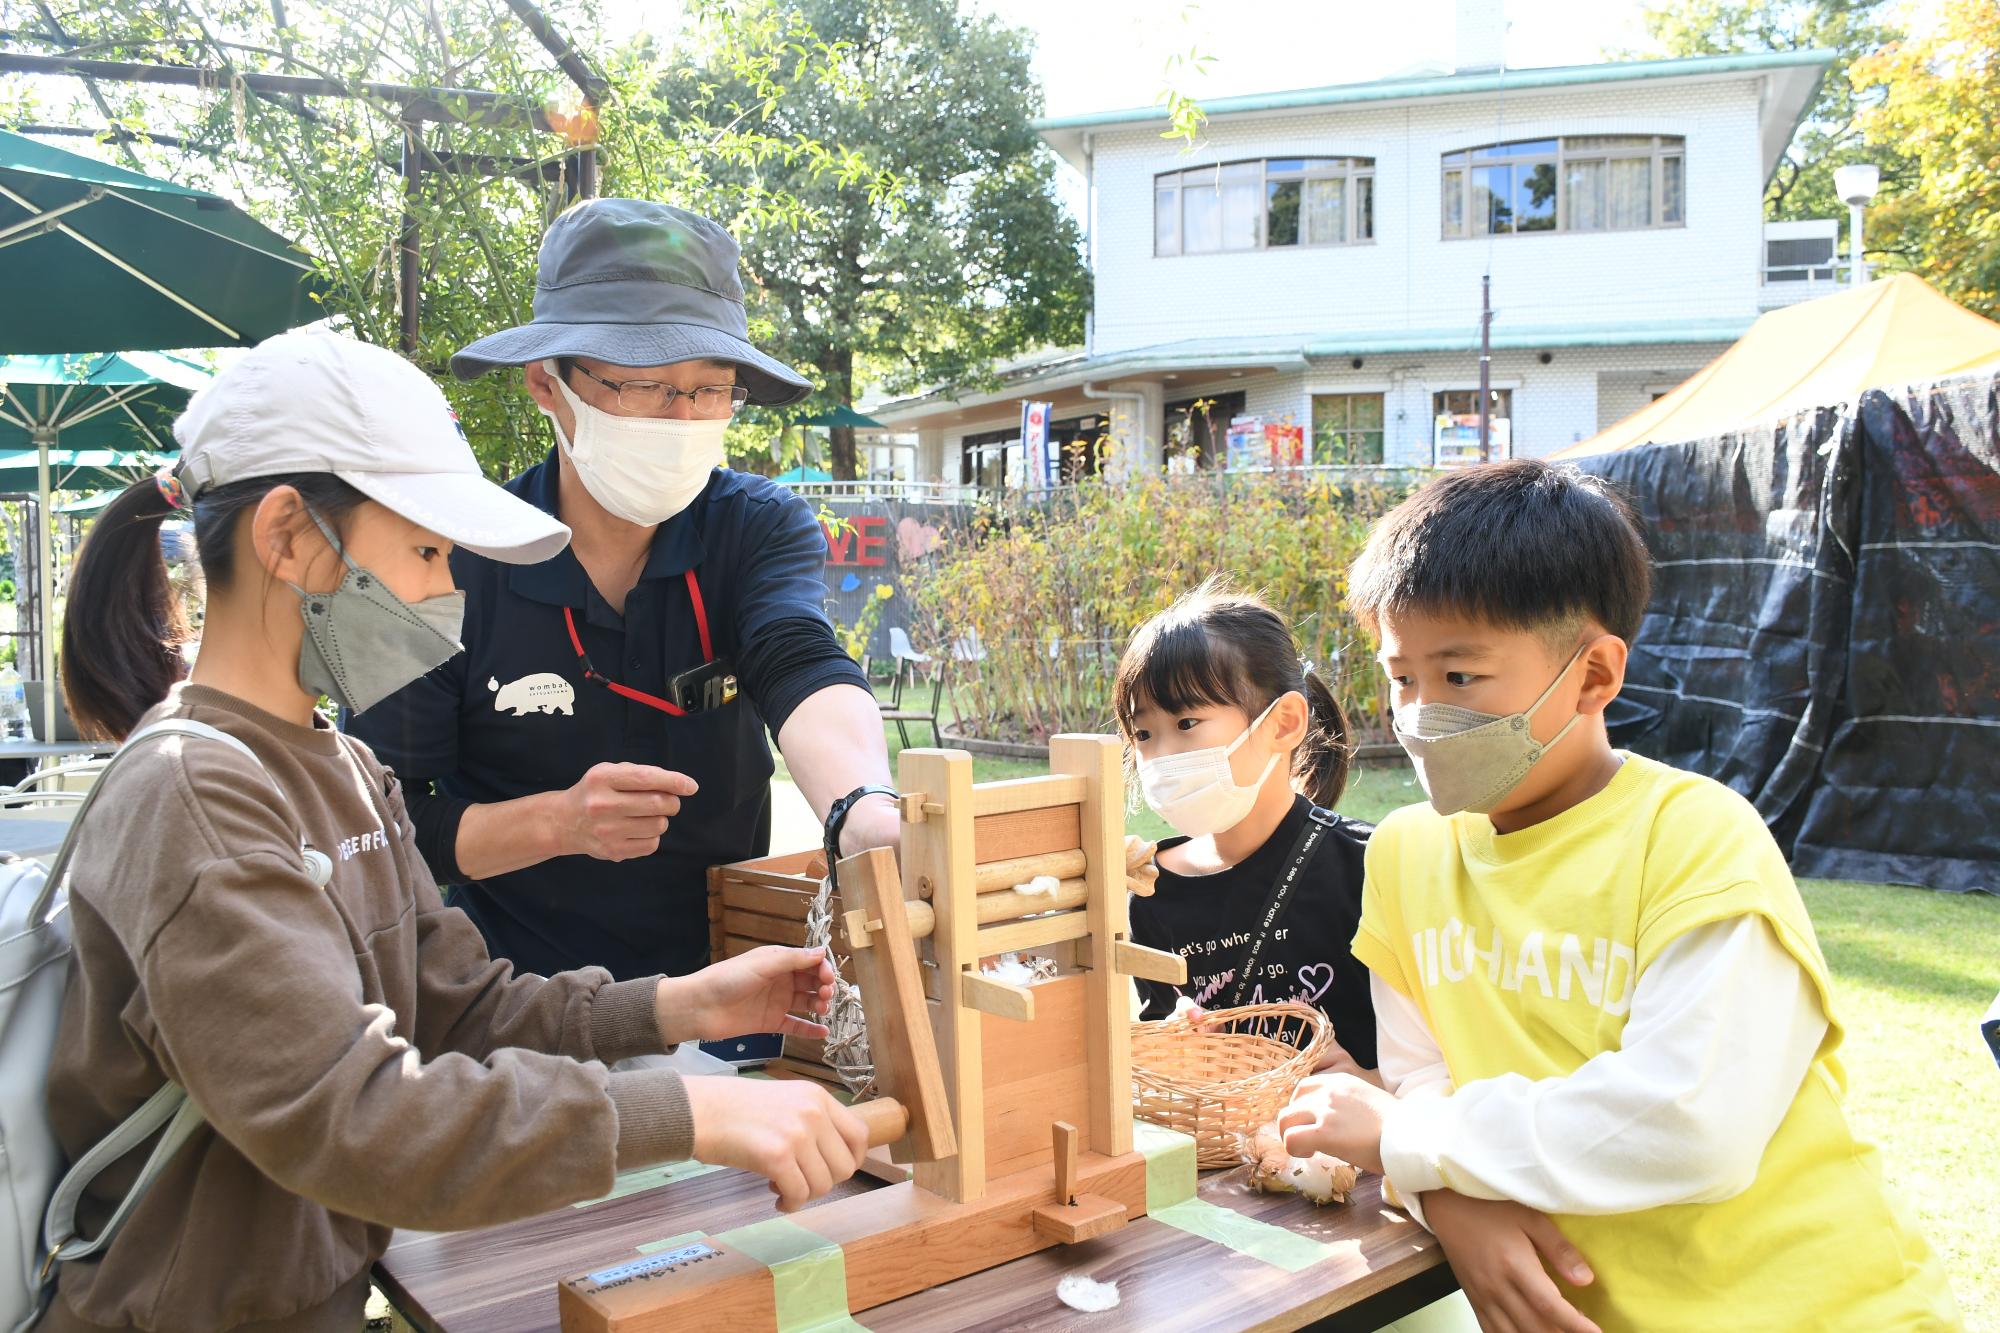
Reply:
x=1526, y=544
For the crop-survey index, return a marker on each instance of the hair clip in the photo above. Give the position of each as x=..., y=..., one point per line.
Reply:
x=171, y=488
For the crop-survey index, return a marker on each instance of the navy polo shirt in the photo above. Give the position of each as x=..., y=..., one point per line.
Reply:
x=512, y=716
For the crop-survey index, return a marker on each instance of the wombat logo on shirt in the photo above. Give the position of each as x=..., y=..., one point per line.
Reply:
x=543, y=692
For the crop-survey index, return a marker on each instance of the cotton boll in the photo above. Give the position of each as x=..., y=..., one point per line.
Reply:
x=1268, y=1160
x=1041, y=886
x=1079, y=1292
x=1008, y=968
x=1016, y=970
x=1320, y=1178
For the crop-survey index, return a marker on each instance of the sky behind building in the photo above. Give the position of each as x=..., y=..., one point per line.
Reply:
x=1097, y=55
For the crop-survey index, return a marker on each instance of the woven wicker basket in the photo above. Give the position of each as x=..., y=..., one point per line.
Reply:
x=1224, y=1080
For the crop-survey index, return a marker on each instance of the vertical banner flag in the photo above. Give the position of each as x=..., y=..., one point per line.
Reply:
x=1044, y=467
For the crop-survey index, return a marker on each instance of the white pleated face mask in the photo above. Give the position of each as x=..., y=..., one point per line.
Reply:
x=641, y=469
x=1196, y=791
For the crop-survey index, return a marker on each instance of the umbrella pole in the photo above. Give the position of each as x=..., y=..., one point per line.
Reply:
x=45, y=579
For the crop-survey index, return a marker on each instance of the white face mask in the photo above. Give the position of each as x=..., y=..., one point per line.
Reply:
x=641, y=469
x=1196, y=791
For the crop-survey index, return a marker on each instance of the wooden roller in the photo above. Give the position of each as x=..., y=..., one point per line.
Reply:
x=1003, y=876
x=887, y=1119
x=997, y=876
x=1012, y=905
x=860, y=928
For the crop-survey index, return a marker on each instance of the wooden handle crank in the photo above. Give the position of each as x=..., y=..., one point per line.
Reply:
x=887, y=1119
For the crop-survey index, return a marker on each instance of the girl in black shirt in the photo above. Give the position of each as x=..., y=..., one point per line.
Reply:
x=1244, y=752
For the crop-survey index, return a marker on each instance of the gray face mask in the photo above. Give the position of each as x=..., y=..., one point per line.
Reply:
x=1469, y=760
x=363, y=643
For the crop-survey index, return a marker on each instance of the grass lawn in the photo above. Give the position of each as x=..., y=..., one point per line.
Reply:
x=1914, y=971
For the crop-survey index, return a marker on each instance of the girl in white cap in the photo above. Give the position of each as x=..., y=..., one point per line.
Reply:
x=263, y=933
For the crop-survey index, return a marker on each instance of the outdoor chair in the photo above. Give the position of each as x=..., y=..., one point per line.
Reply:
x=58, y=784
x=903, y=716
x=907, y=659
x=909, y=663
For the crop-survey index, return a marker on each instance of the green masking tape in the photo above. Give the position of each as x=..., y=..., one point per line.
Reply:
x=1170, y=1198
x=808, y=1273
x=651, y=1177
x=1169, y=1164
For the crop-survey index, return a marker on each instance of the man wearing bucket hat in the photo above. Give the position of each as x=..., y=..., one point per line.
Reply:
x=601, y=741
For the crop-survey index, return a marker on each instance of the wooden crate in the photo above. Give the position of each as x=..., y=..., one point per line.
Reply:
x=764, y=901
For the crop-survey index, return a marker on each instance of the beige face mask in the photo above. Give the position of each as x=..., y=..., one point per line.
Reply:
x=1469, y=760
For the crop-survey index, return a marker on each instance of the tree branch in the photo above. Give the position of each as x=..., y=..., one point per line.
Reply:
x=90, y=86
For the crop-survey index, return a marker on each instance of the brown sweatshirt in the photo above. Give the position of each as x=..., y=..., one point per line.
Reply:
x=362, y=1064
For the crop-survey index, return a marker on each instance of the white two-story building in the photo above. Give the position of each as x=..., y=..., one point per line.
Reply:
x=1308, y=278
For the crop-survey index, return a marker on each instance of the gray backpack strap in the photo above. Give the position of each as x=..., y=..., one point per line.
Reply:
x=170, y=1106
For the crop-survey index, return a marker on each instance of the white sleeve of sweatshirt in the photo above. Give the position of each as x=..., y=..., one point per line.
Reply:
x=1723, y=1029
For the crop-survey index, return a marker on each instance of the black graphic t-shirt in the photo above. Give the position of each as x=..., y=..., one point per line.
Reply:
x=1209, y=920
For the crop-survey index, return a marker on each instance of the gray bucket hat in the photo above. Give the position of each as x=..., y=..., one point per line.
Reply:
x=637, y=284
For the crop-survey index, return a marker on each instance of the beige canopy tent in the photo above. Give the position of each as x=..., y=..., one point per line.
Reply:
x=1892, y=332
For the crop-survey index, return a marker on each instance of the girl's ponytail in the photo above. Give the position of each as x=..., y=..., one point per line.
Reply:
x=1320, y=770
x=123, y=628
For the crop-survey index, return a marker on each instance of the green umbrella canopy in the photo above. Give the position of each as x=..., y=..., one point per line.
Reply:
x=841, y=415
x=116, y=401
x=89, y=504
x=96, y=258
x=75, y=470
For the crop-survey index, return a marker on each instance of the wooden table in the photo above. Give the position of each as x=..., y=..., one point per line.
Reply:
x=503, y=1279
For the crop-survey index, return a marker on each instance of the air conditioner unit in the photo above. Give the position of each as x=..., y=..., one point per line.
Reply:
x=1801, y=251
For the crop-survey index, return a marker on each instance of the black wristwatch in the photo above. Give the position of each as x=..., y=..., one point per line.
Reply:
x=836, y=815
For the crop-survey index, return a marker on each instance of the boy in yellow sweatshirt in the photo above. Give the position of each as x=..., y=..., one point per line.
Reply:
x=1605, y=1026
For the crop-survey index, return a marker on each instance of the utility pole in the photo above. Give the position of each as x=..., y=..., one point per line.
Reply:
x=1486, y=368
x=1856, y=184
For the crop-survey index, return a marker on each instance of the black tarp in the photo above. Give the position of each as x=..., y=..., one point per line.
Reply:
x=1824, y=633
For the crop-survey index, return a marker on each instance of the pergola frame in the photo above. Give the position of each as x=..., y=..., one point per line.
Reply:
x=414, y=107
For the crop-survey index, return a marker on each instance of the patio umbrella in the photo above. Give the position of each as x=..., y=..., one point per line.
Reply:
x=95, y=258
x=83, y=423
x=841, y=415
x=90, y=504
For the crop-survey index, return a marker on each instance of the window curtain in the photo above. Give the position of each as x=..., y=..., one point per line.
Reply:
x=1325, y=212
x=1628, y=192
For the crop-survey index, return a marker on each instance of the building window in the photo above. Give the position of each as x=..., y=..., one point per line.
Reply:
x=993, y=460
x=1197, y=431
x=1455, y=428
x=1347, y=428
x=1606, y=182
x=1272, y=203
x=1081, y=443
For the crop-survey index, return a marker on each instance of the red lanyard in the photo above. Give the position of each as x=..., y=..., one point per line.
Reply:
x=640, y=696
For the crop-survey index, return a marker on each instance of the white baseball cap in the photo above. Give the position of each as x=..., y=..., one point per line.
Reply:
x=318, y=402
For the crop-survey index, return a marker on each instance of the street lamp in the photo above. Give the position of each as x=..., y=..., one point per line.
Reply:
x=1856, y=184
